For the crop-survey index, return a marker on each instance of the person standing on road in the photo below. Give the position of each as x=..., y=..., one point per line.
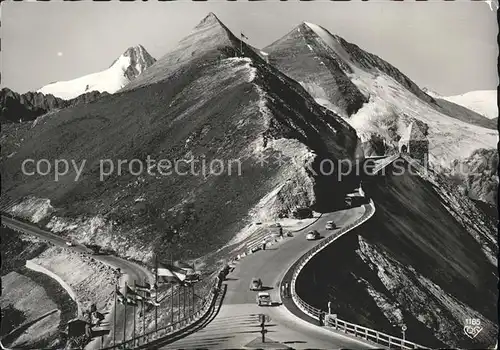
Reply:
x=322, y=318
x=287, y=290
x=281, y=232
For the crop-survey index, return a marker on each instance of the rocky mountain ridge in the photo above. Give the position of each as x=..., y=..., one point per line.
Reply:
x=15, y=107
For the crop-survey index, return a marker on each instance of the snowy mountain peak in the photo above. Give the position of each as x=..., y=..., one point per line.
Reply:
x=375, y=97
x=139, y=53
x=210, y=39
x=316, y=28
x=133, y=61
x=123, y=70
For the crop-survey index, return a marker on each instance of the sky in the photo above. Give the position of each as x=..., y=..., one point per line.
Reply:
x=449, y=47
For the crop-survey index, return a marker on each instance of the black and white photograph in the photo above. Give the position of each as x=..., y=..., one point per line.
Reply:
x=249, y=174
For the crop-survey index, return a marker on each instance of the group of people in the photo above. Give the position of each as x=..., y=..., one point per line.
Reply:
x=264, y=242
x=285, y=290
x=222, y=276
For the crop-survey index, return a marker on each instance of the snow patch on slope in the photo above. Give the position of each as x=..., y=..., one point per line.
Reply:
x=330, y=41
x=449, y=138
x=109, y=80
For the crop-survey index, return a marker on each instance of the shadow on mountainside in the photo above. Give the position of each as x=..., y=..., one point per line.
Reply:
x=411, y=263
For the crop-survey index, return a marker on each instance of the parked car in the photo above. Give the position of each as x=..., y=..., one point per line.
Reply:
x=312, y=235
x=302, y=213
x=263, y=298
x=95, y=249
x=256, y=284
x=69, y=243
x=330, y=225
x=255, y=249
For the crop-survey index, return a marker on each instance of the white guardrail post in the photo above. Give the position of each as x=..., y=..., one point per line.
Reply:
x=347, y=327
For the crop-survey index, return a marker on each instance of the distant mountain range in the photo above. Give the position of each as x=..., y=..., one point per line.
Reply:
x=30, y=105
x=279, y=113
x=483, y=102
x=374, y=96
x=202, y=100
x=123, y=70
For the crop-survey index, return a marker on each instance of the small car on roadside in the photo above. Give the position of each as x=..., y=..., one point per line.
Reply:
x=330, y=225
x=313, y=235
x=256, y=284
x=69, y=244
x=263, y=298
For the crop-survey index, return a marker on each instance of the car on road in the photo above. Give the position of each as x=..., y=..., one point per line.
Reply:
x=256, y=284
x=69, y=244
x=312, y=235
x=263, y=298
x=330, y=225
x=95, y=249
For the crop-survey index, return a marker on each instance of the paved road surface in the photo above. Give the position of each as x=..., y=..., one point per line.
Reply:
x=237, y=324
x=129, y=270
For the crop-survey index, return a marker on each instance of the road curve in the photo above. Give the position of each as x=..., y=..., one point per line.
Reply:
x=237, y=324
x=130, y=272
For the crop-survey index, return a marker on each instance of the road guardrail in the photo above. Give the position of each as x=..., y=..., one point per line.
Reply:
x=334, y=322
x=172, y=329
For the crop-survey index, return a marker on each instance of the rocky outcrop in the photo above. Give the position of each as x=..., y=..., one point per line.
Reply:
x=16, y=107
x=139, y=60
x=477, y=175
